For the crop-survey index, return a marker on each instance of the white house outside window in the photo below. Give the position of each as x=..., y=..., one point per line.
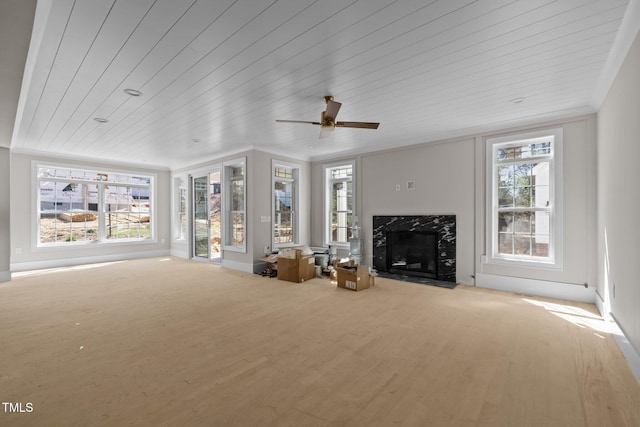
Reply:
x=525, y=220
x=83, y=206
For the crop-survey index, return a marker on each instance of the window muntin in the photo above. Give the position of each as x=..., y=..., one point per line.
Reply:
x=81, y=206
x=524, y=220
x=235, y=178
x=283, y=172
x=180, y=221
x=68, y=212
x=283, y=221
x=237, y=208
x=340, y=201
x=284, y=204
x=126, y=213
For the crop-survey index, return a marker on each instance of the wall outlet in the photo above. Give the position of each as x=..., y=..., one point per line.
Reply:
x=18, y=251
x=397, y=187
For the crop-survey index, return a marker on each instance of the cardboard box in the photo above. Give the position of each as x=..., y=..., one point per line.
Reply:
x=353, y=278
x=345, y=262
x=296, y=266
x=270, y=259
x=272, y=265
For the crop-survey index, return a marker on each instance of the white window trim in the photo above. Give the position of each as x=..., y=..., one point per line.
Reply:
x=226, y=203
x=556, y=197
x=326, y=220
x=175, y=203
x=296, y=202
x=36, y=245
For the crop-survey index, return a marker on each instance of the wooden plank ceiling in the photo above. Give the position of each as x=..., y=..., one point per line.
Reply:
x=215, y=75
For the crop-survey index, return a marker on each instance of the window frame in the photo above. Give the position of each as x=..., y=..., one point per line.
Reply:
x=295, y=181
x=100, y=211
x=180, y=207
x=227, y=199
x=554, y=159
x=327, y=181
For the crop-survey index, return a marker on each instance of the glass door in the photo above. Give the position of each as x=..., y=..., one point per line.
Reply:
x=201, y=217
x=206, y=224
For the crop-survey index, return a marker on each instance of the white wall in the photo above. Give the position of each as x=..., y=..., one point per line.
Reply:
x=450, y=179
x=619, y=197
x=444, y=184
x=443, y=175
x=579, y=204
x=23, y=229
x=259, y=198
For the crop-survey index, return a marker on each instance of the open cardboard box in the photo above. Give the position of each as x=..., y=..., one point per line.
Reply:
x=355, y=278
x=296, y=264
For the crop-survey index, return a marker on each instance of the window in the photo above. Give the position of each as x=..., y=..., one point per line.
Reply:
x=234, y=173
x=180, y=200
x=82, y=206
x=525, y=209
x=339, y=203
x=285, y=204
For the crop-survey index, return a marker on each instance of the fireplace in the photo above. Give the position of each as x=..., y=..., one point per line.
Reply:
x=413, y=252
x=419, y=248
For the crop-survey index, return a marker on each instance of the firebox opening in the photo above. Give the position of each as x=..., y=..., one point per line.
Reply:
x=413, y=253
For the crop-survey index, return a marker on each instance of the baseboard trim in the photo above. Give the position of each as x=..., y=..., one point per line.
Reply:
x=179, y=254
x=628, y=350
x=5, y=276
x=541, y=288
x=601, y=308
x=65, y=262
x=236, y=265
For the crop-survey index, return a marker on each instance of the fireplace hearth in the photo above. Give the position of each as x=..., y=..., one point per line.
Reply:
x=418, y=249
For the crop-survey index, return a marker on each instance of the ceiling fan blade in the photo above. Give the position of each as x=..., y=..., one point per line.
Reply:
x=298, y=121
x=332, y=110
x=360, y=125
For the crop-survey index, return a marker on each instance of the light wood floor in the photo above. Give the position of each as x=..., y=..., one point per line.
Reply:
x=171, y=342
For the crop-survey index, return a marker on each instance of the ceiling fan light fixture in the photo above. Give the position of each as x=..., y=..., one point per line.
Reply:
x=132, y=92
x=326, y=131
x=328, y=121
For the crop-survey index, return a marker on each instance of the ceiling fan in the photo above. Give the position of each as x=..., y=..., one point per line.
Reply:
x=328, y=122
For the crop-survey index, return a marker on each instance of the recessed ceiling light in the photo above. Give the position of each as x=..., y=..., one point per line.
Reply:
x=132, y=92
x=100, y=119
x=518, y=100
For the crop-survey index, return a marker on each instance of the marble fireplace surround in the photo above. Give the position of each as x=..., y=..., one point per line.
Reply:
x=444, y=225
